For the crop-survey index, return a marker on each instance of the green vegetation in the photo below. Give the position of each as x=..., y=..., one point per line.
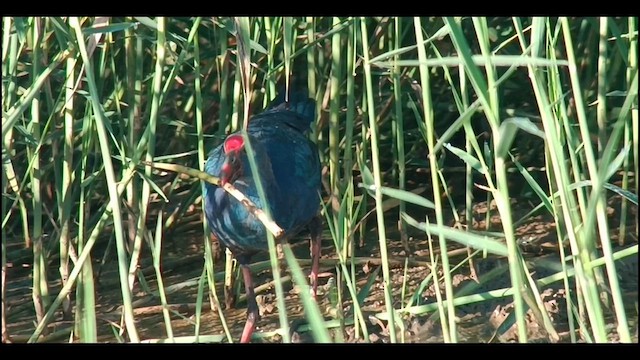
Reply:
x=419, y=120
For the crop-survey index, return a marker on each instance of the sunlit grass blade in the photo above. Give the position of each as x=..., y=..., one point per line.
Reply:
x=465, y=238
x=375, y=158
x=10, y=116
x=450, y=334
x=78, y=266
x=312, y=311
x=157, y=247
x=505, y=292
x=111, y=182
x=107, y=124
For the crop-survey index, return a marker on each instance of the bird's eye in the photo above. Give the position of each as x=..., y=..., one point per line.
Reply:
x=233, y=159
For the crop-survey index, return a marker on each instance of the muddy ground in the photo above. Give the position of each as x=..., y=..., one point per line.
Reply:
x=183, y=262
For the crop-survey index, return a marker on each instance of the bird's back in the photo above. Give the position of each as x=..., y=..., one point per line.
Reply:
x=290, y=171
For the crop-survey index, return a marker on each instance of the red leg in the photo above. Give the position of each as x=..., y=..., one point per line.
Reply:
x=315, y=228
x=253, y=314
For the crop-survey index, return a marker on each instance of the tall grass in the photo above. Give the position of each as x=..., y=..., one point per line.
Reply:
x=531, y=110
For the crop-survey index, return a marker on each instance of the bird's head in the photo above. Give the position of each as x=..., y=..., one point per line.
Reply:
x=232, y=166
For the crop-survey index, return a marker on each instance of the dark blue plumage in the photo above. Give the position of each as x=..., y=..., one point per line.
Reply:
x=290, y=171
x=289, y=167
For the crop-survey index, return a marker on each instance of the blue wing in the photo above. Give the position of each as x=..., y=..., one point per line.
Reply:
x=290, y=170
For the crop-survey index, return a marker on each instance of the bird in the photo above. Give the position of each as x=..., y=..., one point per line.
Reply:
x=289, y=168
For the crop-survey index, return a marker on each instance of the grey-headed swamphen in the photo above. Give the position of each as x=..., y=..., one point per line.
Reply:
x=289, y=168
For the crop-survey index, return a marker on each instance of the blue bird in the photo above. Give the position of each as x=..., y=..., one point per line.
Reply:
x=289, y=167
